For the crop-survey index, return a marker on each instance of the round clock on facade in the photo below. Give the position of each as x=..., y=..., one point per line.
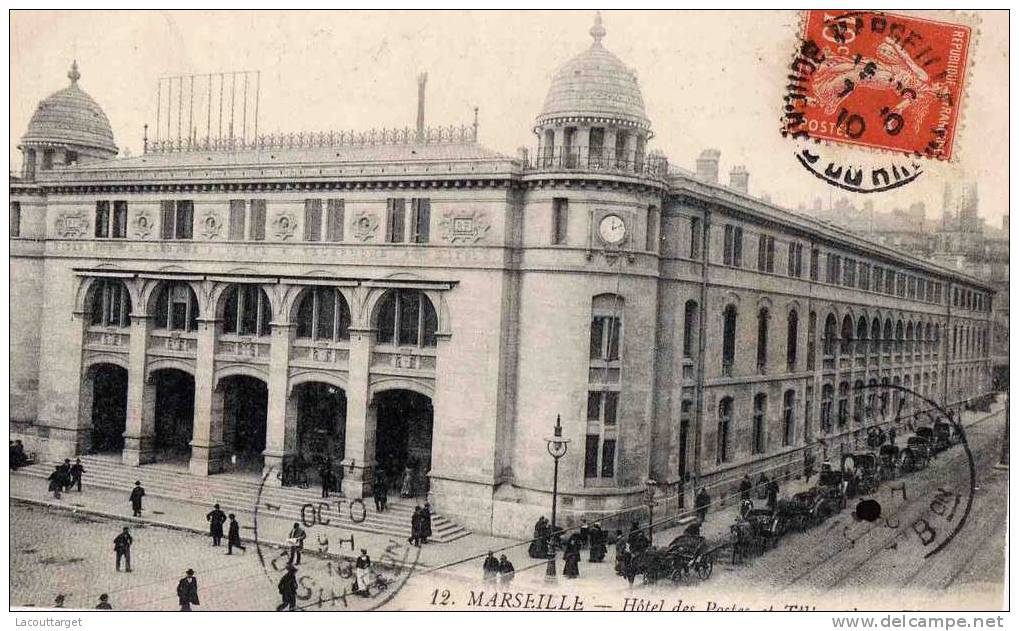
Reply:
x=612, y=229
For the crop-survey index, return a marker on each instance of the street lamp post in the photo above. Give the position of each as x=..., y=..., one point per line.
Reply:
x=557, y=447
x=649, y=495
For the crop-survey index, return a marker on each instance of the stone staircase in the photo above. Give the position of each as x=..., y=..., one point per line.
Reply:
x=240, y=493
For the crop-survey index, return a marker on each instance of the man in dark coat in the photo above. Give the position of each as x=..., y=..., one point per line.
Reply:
x=597, y=538
x=629, y=563
x=122, y=547
x=76, y=472
x=233, y=537
x=296, y=537
x=744, y=488
x=701, y=503
x=56, y=482
x=65, y=470
x=415, y=527
x=490, y=568
x=620, y=552
x=104, y=602
x=137, y=493
x=18, y=457
x=326, y=476
x=426, y=522
x=187, y=591
x=288, y=589
x=772, y=494
x=539, y=544
x=506, y=570
x=571, y=561
x=216, y=519
x=379, y=490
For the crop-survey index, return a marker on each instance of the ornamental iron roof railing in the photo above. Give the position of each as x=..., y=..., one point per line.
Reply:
x=597, y=160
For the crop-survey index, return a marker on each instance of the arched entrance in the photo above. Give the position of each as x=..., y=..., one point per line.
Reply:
x=321, y=426
x=174, y=414
x=403, y=437
x=245, y=410
x=109, y=407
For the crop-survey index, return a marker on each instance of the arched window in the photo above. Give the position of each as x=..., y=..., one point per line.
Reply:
x=875, y=336
x=846, y=346
x=909, y=339
x=811, y=340
x=763, y=316
x=788, y=418
x=898, y=340
x=858, y=411
x=791, y=335
x=111, y=304
x=827, y=396
x=323, y=315
x=406, y=317
x=843, y=414
x=690, y=324
x=728, y=339
x=928, y=339
x=724, y=426
x=758, y=441
x=937, y=338
x=861, y=336
x=830, y=334
x=888, y=338
x=176, y=307
x=246, y=311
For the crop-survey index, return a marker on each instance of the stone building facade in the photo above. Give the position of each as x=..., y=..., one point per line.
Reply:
x=411, y=299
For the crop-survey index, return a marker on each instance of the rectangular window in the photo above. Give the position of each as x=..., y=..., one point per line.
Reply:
x=119, y=228
x=605, y=331
x=611, y=407
x=334, y=225
x=15, y=219
x=594, y=406
x=591, y=456
x=421, y=219
x=313, y=220
x=815, y=256
x=651, y=244
x=102, y=229
x=166, y=219
x=409, y=307
x=596, y=143
x=737, y=247
x=762, y=252
x=237, y=219
x=396, y=208
x=849, y=275
x=879, y=281
x=560, y=217
x=257, y=220
x=608, y=458
x=865, y=276
x=727, y=245
x=695, y=238
x=176, y=217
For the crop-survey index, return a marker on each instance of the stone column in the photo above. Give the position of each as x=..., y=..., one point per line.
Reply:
x=207, y=435
x=608, y=151
x=280, y=429
x=359, y=442
x=140, y=427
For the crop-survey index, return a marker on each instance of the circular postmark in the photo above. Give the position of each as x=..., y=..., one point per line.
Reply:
x=891, y=84
x=338, y=578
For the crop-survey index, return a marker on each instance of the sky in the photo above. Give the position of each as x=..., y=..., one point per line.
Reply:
x=709, y=79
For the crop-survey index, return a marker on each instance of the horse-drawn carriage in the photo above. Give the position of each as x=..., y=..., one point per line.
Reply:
x=685, y=555
x=946, y=434
x=916, y=454
x=860, y=471
x=888, y=461
x=832, y=487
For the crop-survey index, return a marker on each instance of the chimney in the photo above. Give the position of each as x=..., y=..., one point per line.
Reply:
x=422, y=80
x=707, y=165
x=739, y=178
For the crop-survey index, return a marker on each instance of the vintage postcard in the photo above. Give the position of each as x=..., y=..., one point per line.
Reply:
x=585, y=311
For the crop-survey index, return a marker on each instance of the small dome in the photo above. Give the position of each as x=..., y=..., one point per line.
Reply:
x=70, y=117
x=595, y=83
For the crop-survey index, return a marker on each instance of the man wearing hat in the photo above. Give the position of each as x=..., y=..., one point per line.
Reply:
x=187, y=591
x=288, y=589
x=122, y=546
x=216, y=519
x=137, y=493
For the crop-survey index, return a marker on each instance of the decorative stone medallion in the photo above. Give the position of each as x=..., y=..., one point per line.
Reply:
x=72, y=225
x=285, y=226
x=366, y=224
x=464, y=226
x=211, y=226
x=142, y=226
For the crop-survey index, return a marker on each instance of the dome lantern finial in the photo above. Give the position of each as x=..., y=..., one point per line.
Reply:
x=597, y=31
x=74, y=75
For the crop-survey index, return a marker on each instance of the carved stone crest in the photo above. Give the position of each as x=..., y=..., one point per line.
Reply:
x=142, y=226
x=464, y=226
x=285, y=225
x=366, y=224
x=211, y=226
x=72, y=225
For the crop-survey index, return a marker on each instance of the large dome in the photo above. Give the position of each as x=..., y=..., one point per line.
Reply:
x=70, y=117
x=597, y=84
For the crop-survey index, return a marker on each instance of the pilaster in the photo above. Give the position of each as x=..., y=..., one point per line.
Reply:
x=207, y=437
x=140, y=426
x=359, y=443
x=281, y=420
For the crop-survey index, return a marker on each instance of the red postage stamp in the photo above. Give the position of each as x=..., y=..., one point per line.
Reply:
x=879, y=80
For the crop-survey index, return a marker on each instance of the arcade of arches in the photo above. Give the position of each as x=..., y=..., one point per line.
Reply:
x=251, y=389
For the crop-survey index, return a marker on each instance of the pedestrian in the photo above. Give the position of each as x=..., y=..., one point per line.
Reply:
x=584, y=533
x=58, y=601
x=288, y=589
x=571, y=562
x=506, y=570
x=137, y=493
x=187, y=591
x=65, y=471
x=104, y=602
x=701, y=503
x=539, y=544
x=407, y=487
x=216, y=519
x=415, y=527
x=620, y=552
x=296, y=541
x=772, y=494
x=362, y=573
x=233, y=537
x=18, y=457
x=326, y=477
x=490, y=568
x=379, y=491
x=744, y=488
x=56, y=482
x=597, y=538
x=76, y=472
x=426, y=522
x=629, y=564
x=122, y=546
x=762, y=487
x=13, y=460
